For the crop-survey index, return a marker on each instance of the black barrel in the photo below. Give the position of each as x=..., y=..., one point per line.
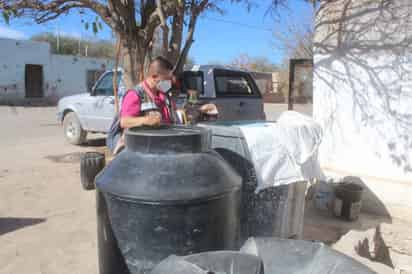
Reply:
x=166, y=193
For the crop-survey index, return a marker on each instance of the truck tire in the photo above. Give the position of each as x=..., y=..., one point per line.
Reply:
x=73, y=131
x=91, y=163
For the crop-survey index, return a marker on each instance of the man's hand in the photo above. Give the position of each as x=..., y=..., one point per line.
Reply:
x=148, y=120
x=152, y=119
x=209, y=109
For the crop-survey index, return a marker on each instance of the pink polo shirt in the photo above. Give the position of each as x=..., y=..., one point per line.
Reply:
x=131, y=103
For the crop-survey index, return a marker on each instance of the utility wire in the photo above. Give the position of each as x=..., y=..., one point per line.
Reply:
x=239, y=24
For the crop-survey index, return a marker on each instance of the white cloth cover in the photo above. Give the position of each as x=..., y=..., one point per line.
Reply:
x=284, y=152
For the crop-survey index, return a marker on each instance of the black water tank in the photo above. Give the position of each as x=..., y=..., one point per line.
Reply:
x=166, y=193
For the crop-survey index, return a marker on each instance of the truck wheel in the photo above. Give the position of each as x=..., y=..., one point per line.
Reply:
x=73, y=131
x=91, y=163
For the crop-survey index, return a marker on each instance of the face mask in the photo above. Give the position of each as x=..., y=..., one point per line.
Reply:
x=164, y=85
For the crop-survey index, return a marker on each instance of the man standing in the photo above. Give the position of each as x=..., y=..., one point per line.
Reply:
x=151, y=91
x=148, y=104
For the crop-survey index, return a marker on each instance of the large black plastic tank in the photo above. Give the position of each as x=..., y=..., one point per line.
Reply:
x=166, y=193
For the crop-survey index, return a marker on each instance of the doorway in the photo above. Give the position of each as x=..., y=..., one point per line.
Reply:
x=300, y=97
x=34, y=81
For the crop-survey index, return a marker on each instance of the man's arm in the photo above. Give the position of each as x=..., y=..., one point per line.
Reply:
x=128, y=122
x=130, y=113
x=149, y=120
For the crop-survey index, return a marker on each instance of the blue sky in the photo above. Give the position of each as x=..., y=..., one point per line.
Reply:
x=218, y=38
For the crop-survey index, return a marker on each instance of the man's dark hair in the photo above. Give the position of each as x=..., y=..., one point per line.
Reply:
x=163, y=63
x=159, y=65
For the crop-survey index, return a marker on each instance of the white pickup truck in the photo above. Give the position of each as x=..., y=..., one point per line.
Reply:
x=234, y=92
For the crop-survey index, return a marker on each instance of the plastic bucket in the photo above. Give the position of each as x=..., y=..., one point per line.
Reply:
x=324, y=196
x=348, y=201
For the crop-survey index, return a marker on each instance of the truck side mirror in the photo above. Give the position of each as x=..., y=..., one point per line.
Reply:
x=91, y=90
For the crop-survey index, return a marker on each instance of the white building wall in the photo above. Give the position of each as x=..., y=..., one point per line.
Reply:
x=14, y=55
x=363, y=93
x=69, y=75
x=62, y=74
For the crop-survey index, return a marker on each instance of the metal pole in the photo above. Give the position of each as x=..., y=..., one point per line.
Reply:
x=58, y=40
x=115, y=86
x=80, y=50
x=291, y=82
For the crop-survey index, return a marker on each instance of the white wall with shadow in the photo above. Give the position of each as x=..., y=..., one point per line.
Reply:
x=363, y=88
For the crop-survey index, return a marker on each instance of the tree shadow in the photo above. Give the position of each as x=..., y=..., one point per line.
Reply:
x=363, y=87
x=375, y=250
x=363, y=62
x=9, y=224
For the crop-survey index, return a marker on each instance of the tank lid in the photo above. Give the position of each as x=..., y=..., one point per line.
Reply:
x=167, y=139
x=168, y=178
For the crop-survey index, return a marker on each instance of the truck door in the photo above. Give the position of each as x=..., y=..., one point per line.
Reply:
x=102, y=108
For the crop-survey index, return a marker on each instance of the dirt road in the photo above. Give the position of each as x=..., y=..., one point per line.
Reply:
x=47, y=223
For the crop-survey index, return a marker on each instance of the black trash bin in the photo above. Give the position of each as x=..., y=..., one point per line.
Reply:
x=166, y=193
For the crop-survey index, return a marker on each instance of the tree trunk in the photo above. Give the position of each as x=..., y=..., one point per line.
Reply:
x=175, y=44
x=188, y=43
x=132, y=60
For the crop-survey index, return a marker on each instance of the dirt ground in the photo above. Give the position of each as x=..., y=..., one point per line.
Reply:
x=48, y=223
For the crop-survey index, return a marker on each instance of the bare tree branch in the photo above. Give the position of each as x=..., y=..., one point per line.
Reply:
x=160, y=13
x=147, y=12
x=134, y=22
x=195, y=9
x=163, y=25
x=43, y=11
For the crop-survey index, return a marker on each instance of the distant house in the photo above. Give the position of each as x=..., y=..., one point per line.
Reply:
x=30, y=74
